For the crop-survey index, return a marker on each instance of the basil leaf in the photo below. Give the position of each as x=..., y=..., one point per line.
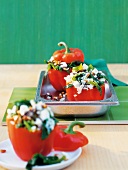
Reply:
x=44, y=131
x=41, y=160
x=22, y=102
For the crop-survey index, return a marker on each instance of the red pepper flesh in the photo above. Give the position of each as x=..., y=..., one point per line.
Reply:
x=57, y=80
x=85, y=95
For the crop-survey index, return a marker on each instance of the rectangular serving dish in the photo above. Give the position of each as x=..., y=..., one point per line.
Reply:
x=74, y=108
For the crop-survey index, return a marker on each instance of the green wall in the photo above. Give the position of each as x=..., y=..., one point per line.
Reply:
x=31, y=29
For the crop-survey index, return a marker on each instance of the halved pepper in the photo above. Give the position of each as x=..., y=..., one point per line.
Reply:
x=68, y=55
x=66, y=139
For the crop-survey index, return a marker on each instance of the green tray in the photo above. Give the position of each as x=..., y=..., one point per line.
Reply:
x=115, y=115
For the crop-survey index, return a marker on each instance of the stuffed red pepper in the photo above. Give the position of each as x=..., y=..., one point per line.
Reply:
x=31, y=128
x=61, y=63
x=85, y=83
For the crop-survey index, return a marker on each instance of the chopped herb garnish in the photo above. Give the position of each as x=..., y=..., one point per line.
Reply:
x=69, y=85
x=96, y=85
x=90, y=67
x=56, y=65
x=75, y=64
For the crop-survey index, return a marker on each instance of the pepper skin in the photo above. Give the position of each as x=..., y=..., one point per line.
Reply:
x=68, y=140
x=57, y=80
x=67, y=55
x=85, y=95
x=26, y=143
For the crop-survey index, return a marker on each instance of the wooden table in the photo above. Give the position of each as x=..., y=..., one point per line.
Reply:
x=108, y=144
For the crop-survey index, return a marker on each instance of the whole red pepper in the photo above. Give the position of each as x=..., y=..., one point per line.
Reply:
x=67, y=55
x=85, y=95
x=68, y=140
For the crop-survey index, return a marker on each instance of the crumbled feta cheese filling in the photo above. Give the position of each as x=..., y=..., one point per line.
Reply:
x=32, y=116
x=86, y=77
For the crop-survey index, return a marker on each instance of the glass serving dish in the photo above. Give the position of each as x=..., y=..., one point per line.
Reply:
x=63, y=108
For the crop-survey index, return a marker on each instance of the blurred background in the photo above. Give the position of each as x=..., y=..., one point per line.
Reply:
x=31, y=29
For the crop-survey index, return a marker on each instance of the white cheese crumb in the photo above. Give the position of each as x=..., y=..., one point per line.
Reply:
x=85, y=66
x=63, y=64
x=101, y=73
x=79, y=89
x=90, y=86
x=76, y=84
x=12, y=111
x=50, y=125
x=44, y=114
x=95, y=71
x=68, y=79
x=38, y=122
x=102, y=79
x=33, y=104
x=23, y=109
x=39, y=105
x=51, y=59
x=33, y=128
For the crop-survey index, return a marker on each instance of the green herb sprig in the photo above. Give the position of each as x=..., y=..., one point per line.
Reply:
x=41, y=160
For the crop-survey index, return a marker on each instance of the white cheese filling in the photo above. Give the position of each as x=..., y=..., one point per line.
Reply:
x=43, y=114
x=85, y=79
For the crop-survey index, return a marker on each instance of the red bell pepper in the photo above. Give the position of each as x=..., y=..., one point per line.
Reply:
x=26, y=143
x=57, y=80
x=85, y=95
x=68, y=55
x=68, y=140
x=56, y=73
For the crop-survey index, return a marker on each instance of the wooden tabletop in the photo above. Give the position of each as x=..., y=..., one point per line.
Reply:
x=108, y=144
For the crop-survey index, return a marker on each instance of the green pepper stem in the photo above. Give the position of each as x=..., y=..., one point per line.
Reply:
x=65, y=45
x=69, y=129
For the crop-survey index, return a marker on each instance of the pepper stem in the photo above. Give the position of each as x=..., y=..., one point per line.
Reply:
x=69, y=129
x=65, y=45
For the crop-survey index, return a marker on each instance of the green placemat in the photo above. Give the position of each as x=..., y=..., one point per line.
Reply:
x=115, y=115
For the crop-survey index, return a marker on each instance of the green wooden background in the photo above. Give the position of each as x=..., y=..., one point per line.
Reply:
x=31, y=29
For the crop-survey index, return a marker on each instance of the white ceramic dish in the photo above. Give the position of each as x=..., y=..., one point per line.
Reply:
x=10, y=160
